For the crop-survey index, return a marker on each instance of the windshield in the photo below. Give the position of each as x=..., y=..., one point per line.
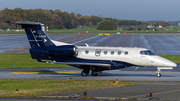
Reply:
x=147, y=52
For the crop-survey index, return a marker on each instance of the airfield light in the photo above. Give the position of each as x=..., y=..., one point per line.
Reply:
x=70, y=79
x=113, y=82
x=17, y=91
x=34, y=31
x=85, y=93
x=150, y=94
x=117, y=80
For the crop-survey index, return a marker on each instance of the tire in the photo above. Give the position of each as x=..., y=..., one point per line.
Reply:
x=84, y=73
x=158, y=75
x=94, y=73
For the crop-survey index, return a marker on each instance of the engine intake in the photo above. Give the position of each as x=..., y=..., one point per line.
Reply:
x=65, y=50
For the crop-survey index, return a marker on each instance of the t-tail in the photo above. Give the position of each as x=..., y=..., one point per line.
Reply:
x=38, y=40
x=36, y=36
x=42, y=47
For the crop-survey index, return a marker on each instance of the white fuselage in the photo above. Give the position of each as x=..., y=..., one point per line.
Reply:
x=128, y=55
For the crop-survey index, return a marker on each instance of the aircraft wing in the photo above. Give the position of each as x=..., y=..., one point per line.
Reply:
x=82, y=63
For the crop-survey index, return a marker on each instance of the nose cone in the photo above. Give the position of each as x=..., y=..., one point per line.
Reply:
x=162, y=62
x=170, y=64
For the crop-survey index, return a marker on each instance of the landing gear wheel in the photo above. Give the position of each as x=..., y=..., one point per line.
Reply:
x=85, y=73
x=158, y=74
x=94, y=73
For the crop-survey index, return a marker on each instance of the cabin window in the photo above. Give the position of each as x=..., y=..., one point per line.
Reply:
x=119, y=53
x=86, y=51
x=147, y=52
x=112, y=52
x=126, y=53
x=105, y=52
x=98, y=52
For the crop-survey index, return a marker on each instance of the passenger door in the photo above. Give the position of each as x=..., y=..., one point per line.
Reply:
x=98, y=52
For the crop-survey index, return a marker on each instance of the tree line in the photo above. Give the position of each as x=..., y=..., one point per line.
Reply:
x=56, y=19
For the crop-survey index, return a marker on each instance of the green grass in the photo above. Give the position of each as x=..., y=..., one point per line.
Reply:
x=85, y=98
x=174, y=58
x=24, y=61
x=174, y=29
x=132, y=98
x=93, y=30
x=35, y=87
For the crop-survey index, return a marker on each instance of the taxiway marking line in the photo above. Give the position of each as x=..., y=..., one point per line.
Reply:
x=44, y=72
x=85, y=39
x=67, y=72
x=25, y=72
x=153, y=94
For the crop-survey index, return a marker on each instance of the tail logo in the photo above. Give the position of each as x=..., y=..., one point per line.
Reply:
x=45, y=40
x=42, y=36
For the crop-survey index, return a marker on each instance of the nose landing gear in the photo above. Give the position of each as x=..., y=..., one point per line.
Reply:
x=158, y=73
x=159, y=69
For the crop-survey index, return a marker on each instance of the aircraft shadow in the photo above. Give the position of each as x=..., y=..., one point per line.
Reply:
x=140, y=75
x=103, y=74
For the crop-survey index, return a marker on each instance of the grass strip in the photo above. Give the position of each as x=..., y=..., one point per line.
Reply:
x=25, y=61
x=173, y=58
x=36, y=87
x=93, y=30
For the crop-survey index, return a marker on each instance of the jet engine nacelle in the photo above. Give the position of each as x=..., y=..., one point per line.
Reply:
x=65, y=50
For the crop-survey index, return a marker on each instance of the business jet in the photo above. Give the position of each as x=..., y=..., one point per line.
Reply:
x=88, y=58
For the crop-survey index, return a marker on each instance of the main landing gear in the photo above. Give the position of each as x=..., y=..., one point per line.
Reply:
x=85, y=72
x=94, y=73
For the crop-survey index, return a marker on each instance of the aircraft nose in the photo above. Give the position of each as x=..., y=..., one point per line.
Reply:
x=170, y=64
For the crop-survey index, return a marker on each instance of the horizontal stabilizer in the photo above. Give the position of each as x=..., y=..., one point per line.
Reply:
x=25, y=23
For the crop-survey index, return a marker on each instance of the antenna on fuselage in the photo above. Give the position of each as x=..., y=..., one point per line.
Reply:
x=86, y=44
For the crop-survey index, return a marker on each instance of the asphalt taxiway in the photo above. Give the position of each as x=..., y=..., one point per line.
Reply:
x=161, y=44
x=126, y=74
x=159, y=90
x=163, y=91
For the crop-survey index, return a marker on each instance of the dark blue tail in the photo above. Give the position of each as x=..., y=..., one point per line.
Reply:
x=36, y=36
x=38, y=40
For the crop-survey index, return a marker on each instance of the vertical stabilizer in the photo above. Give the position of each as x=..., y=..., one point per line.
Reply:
x=36, y=36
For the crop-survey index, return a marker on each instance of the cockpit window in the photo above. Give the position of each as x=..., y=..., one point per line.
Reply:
x=147, y=52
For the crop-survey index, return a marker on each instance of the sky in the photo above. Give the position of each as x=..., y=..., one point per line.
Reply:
x=142, y=10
